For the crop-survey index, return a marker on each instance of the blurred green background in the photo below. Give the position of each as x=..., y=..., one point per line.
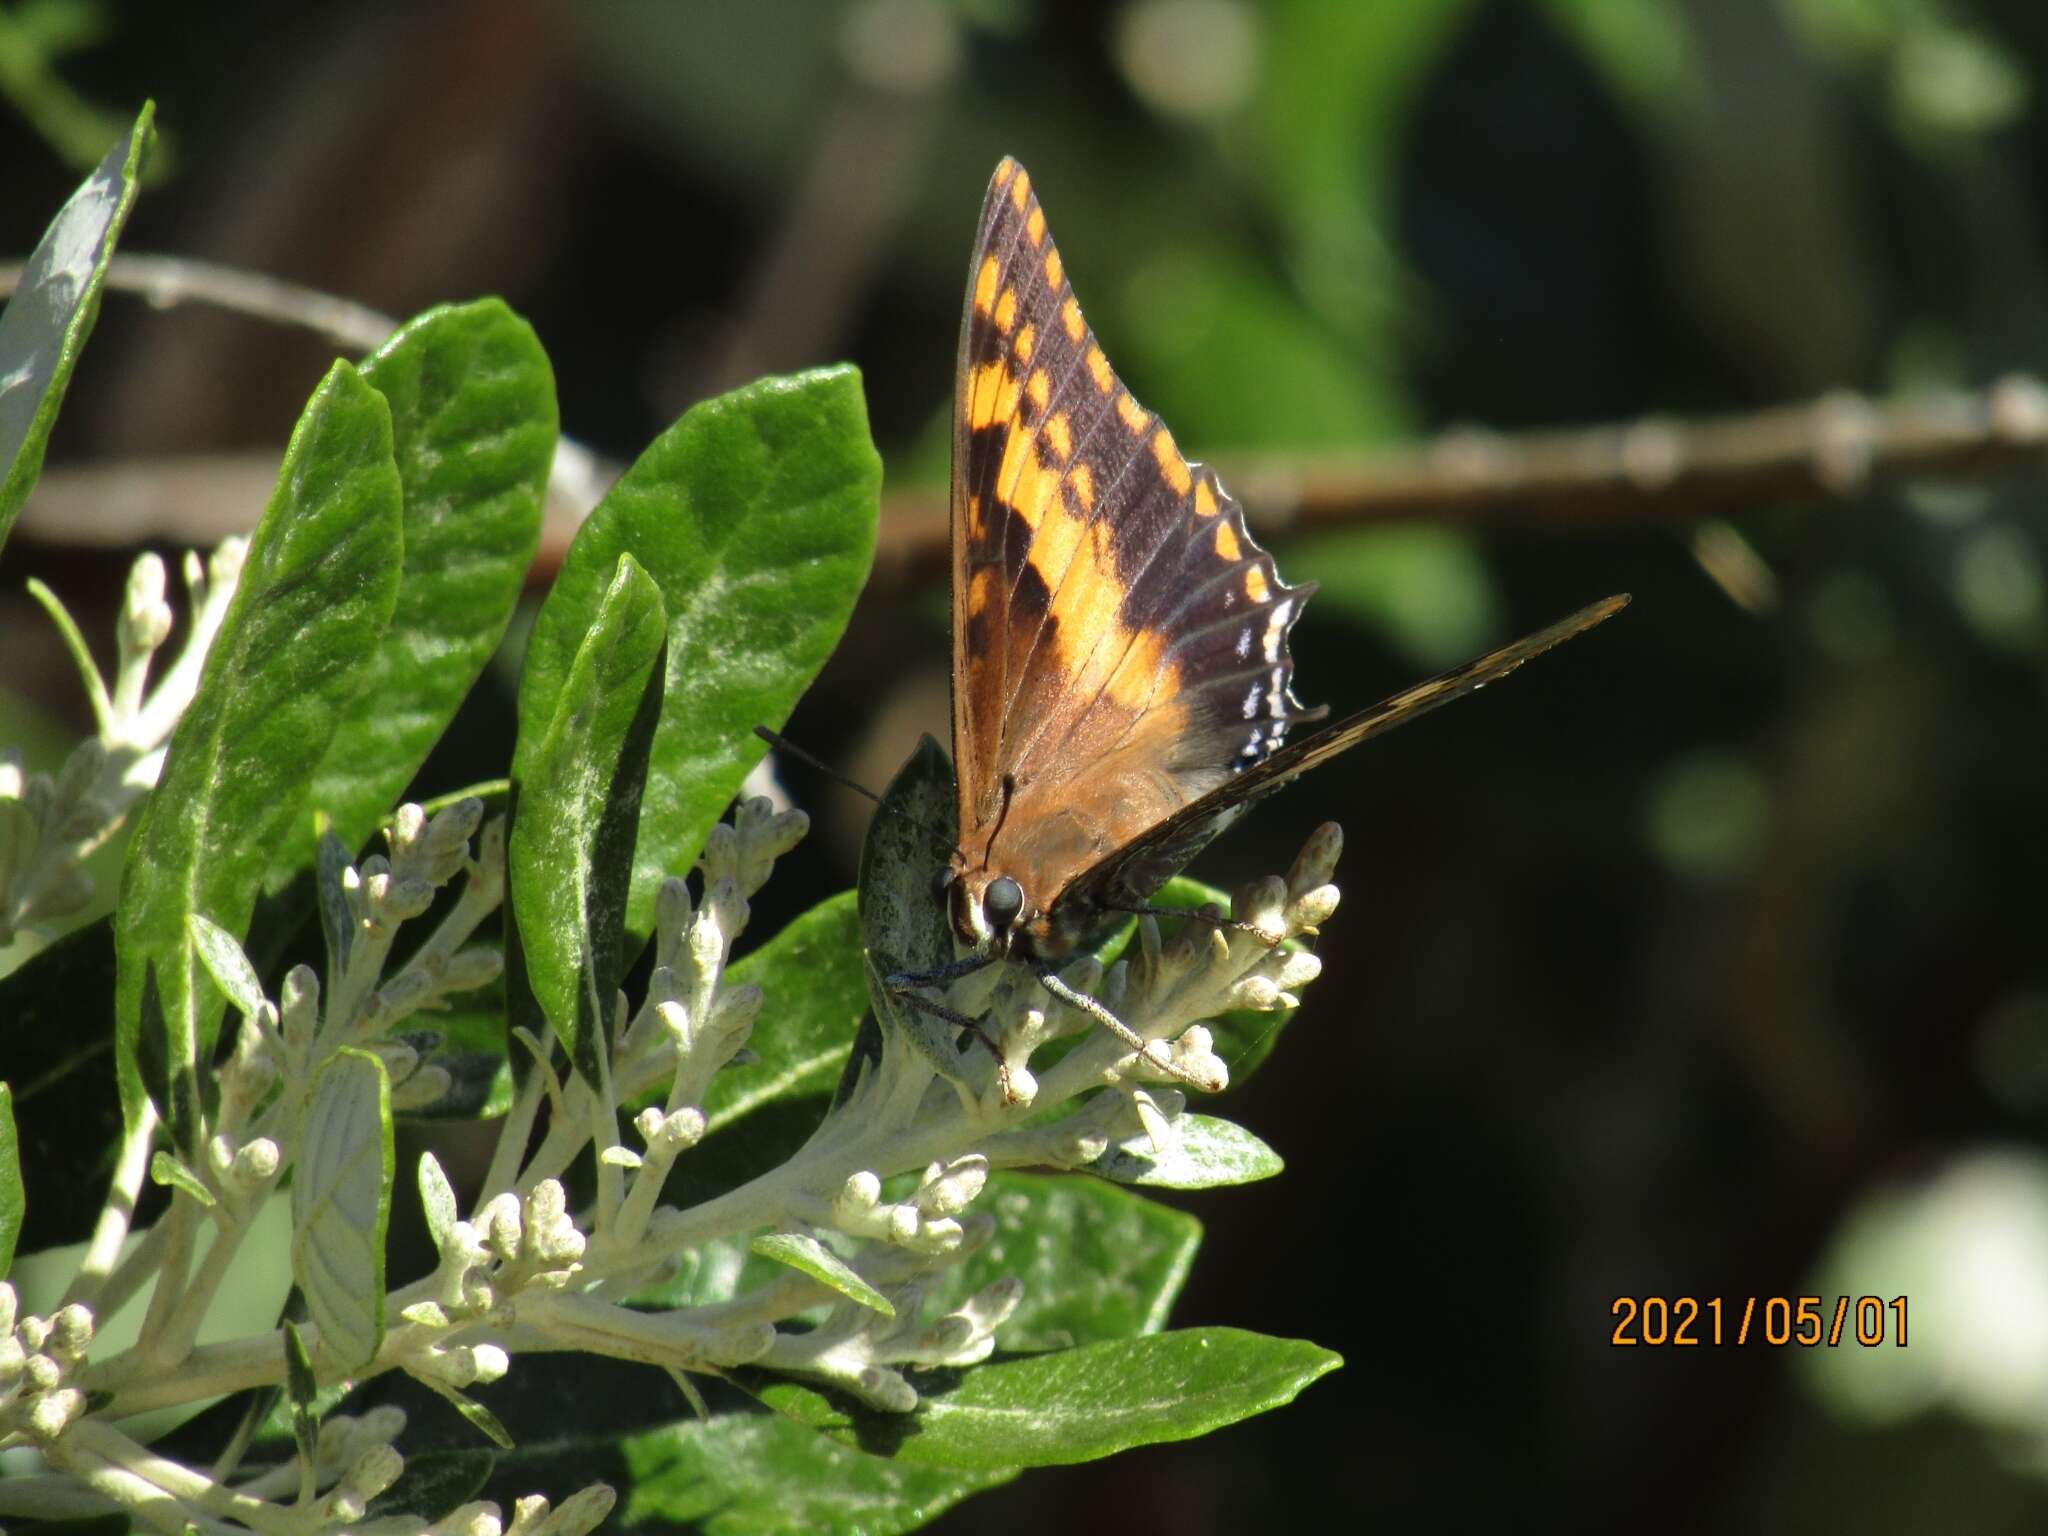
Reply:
x=1705, y=958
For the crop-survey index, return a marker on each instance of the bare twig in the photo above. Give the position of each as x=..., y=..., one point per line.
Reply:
x=1653, y=470
x=578, y=479
x=1657, y=469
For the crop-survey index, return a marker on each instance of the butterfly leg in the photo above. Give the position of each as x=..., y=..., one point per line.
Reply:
x=1050, y=980
x=966, y=965
x=903, y=983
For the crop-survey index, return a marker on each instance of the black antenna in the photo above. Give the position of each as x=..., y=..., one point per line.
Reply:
x=782, y=743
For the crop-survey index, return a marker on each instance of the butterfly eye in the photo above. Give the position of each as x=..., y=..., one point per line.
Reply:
x=942, y=882
x=1002, y=902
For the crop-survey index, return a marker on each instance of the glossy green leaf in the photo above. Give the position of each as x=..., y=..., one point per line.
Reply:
x=47, y=321
x=13, y=1200
x=481, y=1419
x=473, y=428
x=754, y=1474
x=1208, y=1154
x=225, y=963
x=316, y=589
x=434, y=1484
x=578, y=803
x=755, y=515
x=808, y=1256
x=1075, y=1404
x=341, y=1205
x=810, y=975
x=437, y=1200
x=1097, y=1262
x=166, y=1170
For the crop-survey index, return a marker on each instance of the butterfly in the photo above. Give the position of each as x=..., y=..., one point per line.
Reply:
x=1122, y=685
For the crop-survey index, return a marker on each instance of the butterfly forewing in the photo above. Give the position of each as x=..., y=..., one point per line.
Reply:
x=1129, y=875
x=1120, y=643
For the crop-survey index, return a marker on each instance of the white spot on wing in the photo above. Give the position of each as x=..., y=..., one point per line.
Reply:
x=1276, y=630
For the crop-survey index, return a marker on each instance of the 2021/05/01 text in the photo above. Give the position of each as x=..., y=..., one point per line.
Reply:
x=1807, y=1321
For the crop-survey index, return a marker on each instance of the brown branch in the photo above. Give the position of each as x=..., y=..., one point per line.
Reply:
x=1657, y=469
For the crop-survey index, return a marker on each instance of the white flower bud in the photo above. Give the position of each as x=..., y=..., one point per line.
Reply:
x=51, y=1414
x=407, y=823
x=225, y=565
x=71, y=1331
x=374, y=1471
x=500, y=1224
x=1317, y=860
x=478, y=1519
x=257, y=1163
x=472, y=968
x=1312, y=909
x=488, y=1363
x=861, y=1194
x=1299, y=969
x=583, y=1511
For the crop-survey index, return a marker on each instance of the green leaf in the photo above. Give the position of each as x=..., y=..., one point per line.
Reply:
x=46, y=322
x=811, y=1257
x=222, y=956
x=578, y=803
x=902, y=926
x=437, y=1200
x=1097, y=1262
x=301, y=1390
x=316, y=589
x=755, y=515
x=1210, y=1153
x=473, y=428
x=13, y=1200
x=341, y=1205
x=1077, y=1404
x=166, y=1170
x=481, y=1418
x=434, y=1484
x=337, y=925
x=811, y=975
x=753, y=1474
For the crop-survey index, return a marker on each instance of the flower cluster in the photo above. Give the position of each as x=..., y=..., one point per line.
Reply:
x=49, y=823
x=826, y=1264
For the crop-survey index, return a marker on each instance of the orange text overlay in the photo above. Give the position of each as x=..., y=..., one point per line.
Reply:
x=1806, y=1321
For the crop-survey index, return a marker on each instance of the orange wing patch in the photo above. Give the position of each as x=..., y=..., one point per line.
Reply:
x=1171, y=464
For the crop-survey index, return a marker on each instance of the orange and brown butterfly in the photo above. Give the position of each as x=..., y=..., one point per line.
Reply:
x=1121, y=675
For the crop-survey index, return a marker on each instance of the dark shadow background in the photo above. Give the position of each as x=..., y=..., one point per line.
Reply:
x=1703, y=959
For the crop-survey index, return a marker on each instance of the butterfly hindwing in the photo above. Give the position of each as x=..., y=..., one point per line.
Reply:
x=1120, y=643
